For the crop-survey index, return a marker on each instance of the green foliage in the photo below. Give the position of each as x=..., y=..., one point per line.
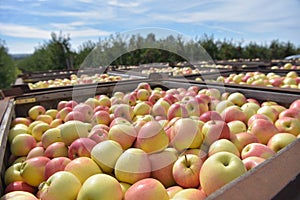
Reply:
x=8, y=70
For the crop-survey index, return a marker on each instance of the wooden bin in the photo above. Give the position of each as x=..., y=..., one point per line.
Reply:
x=277, y=178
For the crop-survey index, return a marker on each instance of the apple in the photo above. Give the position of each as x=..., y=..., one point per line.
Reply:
x=83, y=168
x=152, y=137
x=13, y=173
x=55, y=123
x=147, y=189
x=119, y=120
x=61, y=105
x=295, y=104
x=154, y=97
x=220, y=169
x=19, y=186
x=173, y=190
x=192, y=106
x=61, y=185
x=288, y=125
x=92, y=102
x=98, y=134
x=55, y=165
x=244, y=138
x=20, y=120
x=56, y=149
x=72, y=130
x=124, y=111
x=130, y=99
x=269, y=112
x=252, y=161
x=257, y=149
x=124, y=187
x=142, y=94
x=222, y=105
x=32, y=170
x=186, y=133
x=232, y=113
x=223, y=145
x=71, y=104
x=106, y=154
x=263, y=129
x=35, y=111
x=22, y=144
x=51, y=112
x=104, y=100
x=124, y=134
x=44, y=118
x=86, y=110
x=74, y=115
x=132, y=166
x=214, y=130
x=101, y=117
x=237, y=126
x=36, y=151
x=50, y=136
x=177, y=110
x=39, y=129
x=16, y=130
x=162, y=165
x=142, y=108
x=160, y=108
x=186, y=170
x=144, y=85
x=100, y=186
x=293, y=113
x=280, y=140
x=189, y=194
x=210, y=115
x=81, y=147
x=18, y=195
x=237, y=98
x=257, y=116
x=63, y=113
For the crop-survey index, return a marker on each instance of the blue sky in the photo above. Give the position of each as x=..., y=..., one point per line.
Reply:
x=24, y=24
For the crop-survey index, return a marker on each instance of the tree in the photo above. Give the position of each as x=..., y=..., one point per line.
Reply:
x=8, y=70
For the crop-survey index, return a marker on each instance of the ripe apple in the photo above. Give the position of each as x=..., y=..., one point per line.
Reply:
x=33, y=170
x=20, y=120
x=294, y=113
x=257, y=116
x=61, y=105
x=39, y=129
x=186, y=133
x=98, y=134
x=22, y=144
x=288, y=125
x=173, y=190
x=223, y=145
x=220, y=169
x=222, y=105
x=257, y=149
x=50, y=136
x=147, y=189
x=18, y=195
x=269, y=112
x=56, y=149
x=237, y=126
x=189, y=194
x=16, y=130
x=86, y=110
x=130, y=98
x=52, y=112
x=152, y=137
x=280, y=140
x=83, y=168
x=35, y=111
x=177, y=110
x=295, y=104
x=44, y=118
x=214, y=130
x=61, y=185
x=242, y=139
x=100, y=186
x=81, y=147
x=72, y=130
x=232, y=113
x=55, y=165
x=101, y=117
x=186, y=170
x=160, y=108
x=71, y=104
x=142, y=108
x=162, y=165
x=252, y=161
x=142, y=94
x=106, y=154
x=104, y=100
x=36, y=151
x=210, y=115
x=263, y=129
x=124, y=134
x=132, y=166
x=93, y=102
x=19, y=186
x=237, y=98
x=13, y=173
x=63, y=113
x=74, y=115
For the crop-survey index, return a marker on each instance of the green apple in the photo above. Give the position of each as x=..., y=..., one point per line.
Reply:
x=39, y=130
x=288, y=125
x=61, y=185
x=50, y=136
x=220, y=169
x=142, y=108
x=237, y=126
x=237, y=98
x=100, y=186
x=22, y=144
x=13, y=173
x=35, y=111
x=132, y=166
x=223, y=145
x=16, y=130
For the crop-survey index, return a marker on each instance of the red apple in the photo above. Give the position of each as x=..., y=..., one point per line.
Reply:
x=252, y=161
x=257, y=149
x=263, y=129
x=210, y=115
x=81, y=147
x=55, y=165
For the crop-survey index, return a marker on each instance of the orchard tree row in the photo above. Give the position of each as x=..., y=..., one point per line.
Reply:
x=57, y=53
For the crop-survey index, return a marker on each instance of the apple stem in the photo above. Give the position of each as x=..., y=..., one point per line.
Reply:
x=186, y=161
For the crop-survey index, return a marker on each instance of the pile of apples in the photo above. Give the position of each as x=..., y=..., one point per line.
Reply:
x=286, y=66
x=148, y=144
x=177, y=71
x=271, y=79
x=74, y=80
